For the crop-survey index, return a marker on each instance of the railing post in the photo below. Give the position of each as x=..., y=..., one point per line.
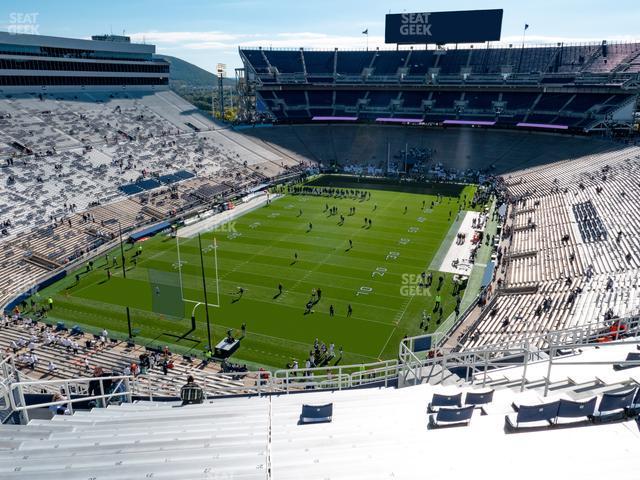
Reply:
x=25, y=412
x=486, y=367
x=526, y=362
x=129, y=393
x=548, y=379
x=102, y=395
x=340, y=377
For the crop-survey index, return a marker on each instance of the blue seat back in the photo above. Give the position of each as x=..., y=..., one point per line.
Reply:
x=631, y=357
x=616, y=401
x=478, y=398
x=538, y=413
x=316, y=413
x=440, y=400
x=455, y=414
x=571, y=409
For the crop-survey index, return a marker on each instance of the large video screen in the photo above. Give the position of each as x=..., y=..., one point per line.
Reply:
x=470, y=26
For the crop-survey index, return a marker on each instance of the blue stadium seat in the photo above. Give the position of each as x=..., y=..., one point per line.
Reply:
x=316, y=414
x=420, y=62
x=518, y=101
x=614, y=406
x=388, y=63
x=444, y=100
x=319, y=98
x=572, y=409
x=451, y=61
x=478, y=398
x=348, y=98
x=553, y=101
x=480, y=101
x=440, y=400
x=634, y=409
x=256, y=60
x=319, y=63
x=285, y=61
x=293, y=98
x=353, y=63
x=381, y=99
x=543, y=414
x=451, y=416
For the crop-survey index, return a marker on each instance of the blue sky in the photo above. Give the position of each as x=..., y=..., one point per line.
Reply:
x=209, y=32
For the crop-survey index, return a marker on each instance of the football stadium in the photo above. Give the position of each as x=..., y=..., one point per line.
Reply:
x=390, y=261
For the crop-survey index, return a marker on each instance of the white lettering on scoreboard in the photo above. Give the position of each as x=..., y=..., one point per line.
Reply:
x=415, y=24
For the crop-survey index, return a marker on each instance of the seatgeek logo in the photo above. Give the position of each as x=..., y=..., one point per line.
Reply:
x=24, y=22
x=415, y=24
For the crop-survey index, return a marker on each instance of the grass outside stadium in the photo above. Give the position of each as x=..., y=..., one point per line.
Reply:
x=378, y=275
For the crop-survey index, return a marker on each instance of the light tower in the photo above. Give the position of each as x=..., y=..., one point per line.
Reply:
x=220, y=70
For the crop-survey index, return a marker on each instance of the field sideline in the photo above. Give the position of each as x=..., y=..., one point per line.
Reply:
x=256, y=252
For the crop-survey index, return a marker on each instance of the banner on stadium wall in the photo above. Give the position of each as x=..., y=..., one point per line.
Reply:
x=469, y=26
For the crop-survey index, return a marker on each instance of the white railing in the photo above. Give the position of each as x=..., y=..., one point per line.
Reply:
x=262, y=382
x=118, y=387
x=8, y=374
x=477, y=362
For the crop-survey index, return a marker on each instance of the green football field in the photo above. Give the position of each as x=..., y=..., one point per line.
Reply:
x=256, y=252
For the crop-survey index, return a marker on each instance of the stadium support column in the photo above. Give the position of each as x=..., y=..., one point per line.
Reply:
x=124, y=270
x=204, y=288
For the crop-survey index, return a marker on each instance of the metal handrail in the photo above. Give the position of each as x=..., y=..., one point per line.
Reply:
x=17, y=389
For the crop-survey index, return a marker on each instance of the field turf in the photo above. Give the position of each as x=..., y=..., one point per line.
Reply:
x=256, y=253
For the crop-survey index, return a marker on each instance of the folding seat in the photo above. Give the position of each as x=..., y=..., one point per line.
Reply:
x=631, y=356
x=614, y=406
x=316, y=414
x=572, y=409
x=543, y=414
x=440, y=400
x=479, y=399
x=451, y=417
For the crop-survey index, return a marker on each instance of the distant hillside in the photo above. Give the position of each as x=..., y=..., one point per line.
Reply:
x=185, y=75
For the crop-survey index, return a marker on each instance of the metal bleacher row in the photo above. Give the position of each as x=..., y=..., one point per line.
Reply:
x=373, y=433
x=558, y=274
x=66, y=159
x=112, y=357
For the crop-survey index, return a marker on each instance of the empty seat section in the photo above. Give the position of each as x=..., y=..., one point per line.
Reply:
x=353, y=63
x=285, y=62
x=348, y=98
x=420, y=62
x=319, y=63
x=292, y=98
x=387, y=63
x=320, y=98
x=445, y=99
x=381, y=99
